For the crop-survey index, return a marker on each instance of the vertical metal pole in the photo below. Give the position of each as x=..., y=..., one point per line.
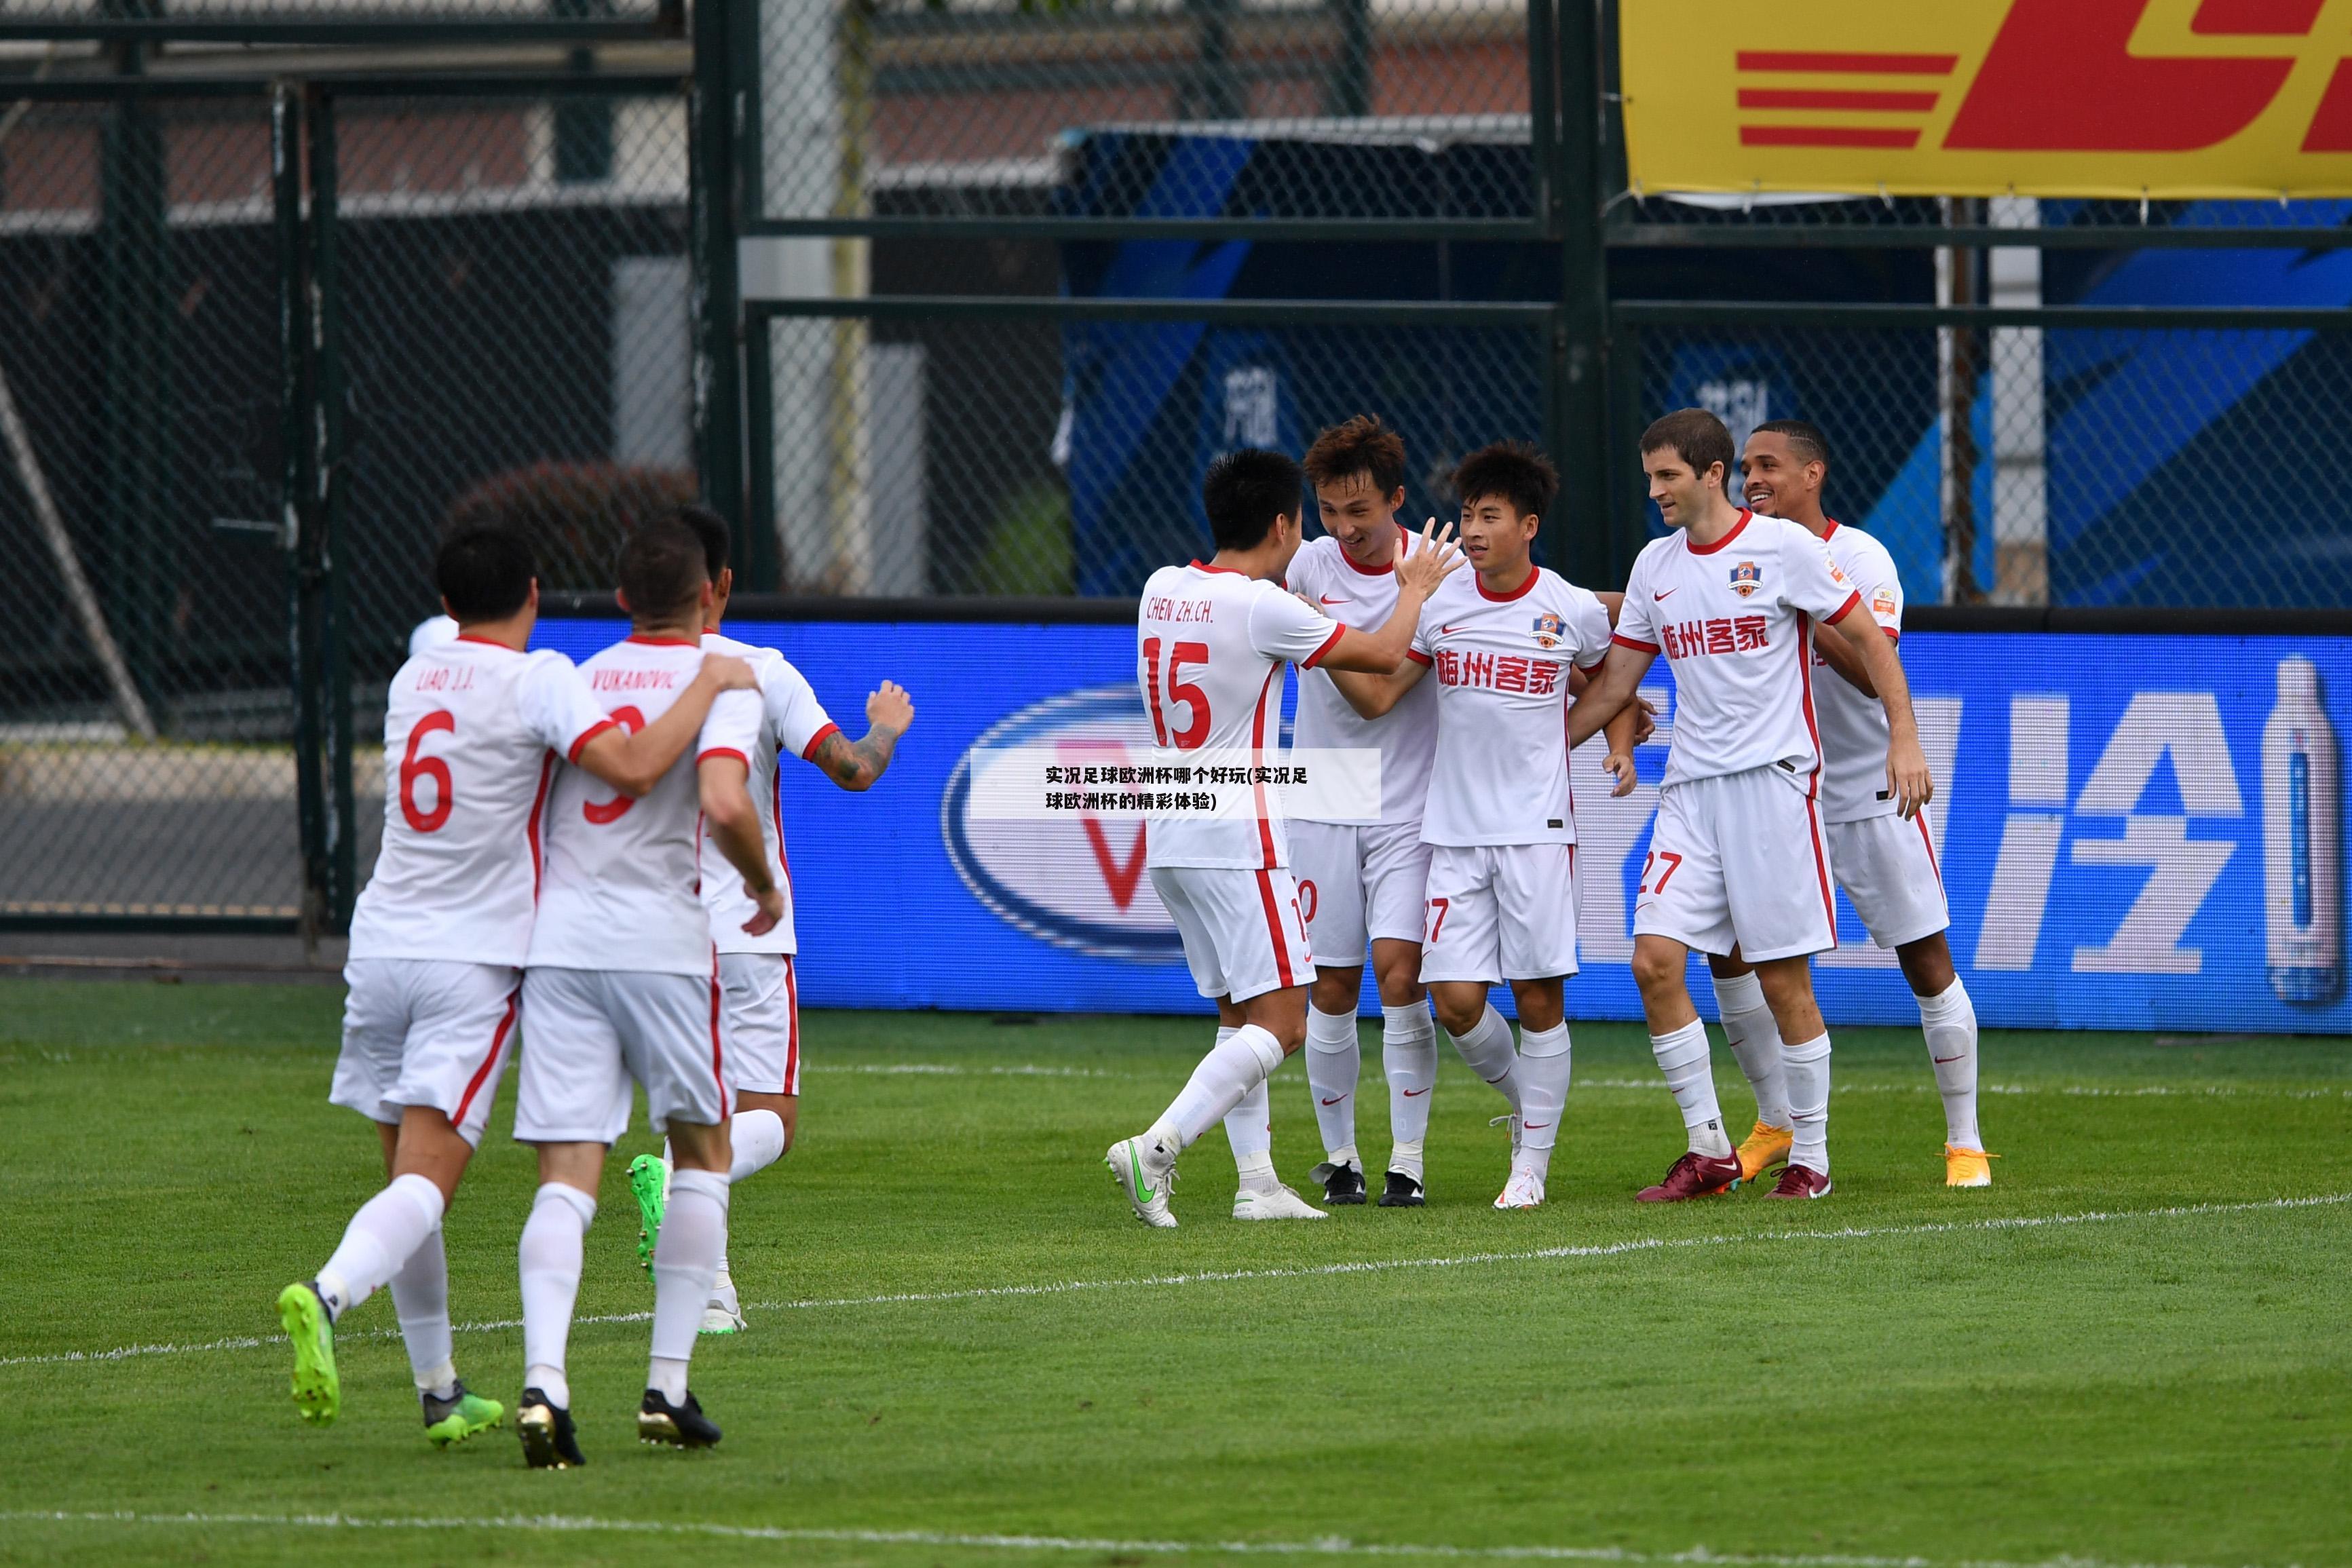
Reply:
x=295, y=489
x=1543, y=118
x=334, y=582
x=1217, y=93
x=1581, y=329
x=758, y=549
x=1349, y=93
x=713, y=129
x=140, y=576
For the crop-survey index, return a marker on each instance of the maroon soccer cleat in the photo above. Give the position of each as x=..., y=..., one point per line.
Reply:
x=1693, y=1176
x=1801, y=1181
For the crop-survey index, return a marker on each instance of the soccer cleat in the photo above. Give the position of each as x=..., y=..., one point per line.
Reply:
x=547, y=1440
x=459, y=1417
x=1801, y=1181
x=1277, y=1202
x=723, y=1313
x=680, y=1426
x=1524, y=1190
x=1693, y=1176
x=318, y=1389
x=1144, y=1172
x=1967, y=1168
x=1767, y=1146
x=1341, y=1184
x=646, y=1180
x=1402, y=1191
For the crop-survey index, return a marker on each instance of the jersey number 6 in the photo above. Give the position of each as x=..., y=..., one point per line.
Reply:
x=413, y=767
x=1180, y=690
x=602, y=812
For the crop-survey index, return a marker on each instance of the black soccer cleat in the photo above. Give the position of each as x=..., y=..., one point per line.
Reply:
x=548, y=1441
x=1402, y=1192
x=679, y=1426
x=1341, y=1184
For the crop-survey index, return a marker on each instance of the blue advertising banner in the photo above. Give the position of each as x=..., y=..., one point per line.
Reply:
x=2136, y=832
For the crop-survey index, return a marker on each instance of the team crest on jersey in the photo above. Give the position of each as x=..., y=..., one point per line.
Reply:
x=1746, y=579
x=1549, y=630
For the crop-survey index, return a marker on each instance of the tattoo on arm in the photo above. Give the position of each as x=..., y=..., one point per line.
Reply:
x=856, y=765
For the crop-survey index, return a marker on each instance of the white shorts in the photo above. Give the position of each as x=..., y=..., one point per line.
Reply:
x=762, y=1025
x=1741, y=859
x=425, y=1032
x=1243, y=935
x=1500, y=912
x=1890, y=873
x=588, y=1032
x=1359, y=883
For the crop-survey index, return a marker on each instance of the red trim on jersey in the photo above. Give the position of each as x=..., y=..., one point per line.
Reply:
x=1534, y=571
x=717, y=1061
x=723, y=751
x=1387, y=571
x=1257, y=746
x=1622, y=640
x=1709, y=549
x=1228, y=571
x=783, y=864
x=1844, y=609
x=1593, y=669
x=791, y=1028
x=498, y=1043
x=1814, y=783
x=1928, y=839
x=1330, y=642
x=580, y=742
x=1273, y=929
x=485, y=642
x=538, y=805
x=1893, y=634
x=1822, y=864
x=808, y=752
x=1418, y=657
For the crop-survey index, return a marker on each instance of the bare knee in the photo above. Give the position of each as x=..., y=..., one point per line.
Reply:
x=1927, y=965
x=1658, y=965
x=1398, y=974
x=1788, y=992
x=1460, y=1005
x=1335, y=990
x=1282, y=1014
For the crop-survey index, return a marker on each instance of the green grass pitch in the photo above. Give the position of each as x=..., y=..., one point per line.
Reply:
x=964, y=1351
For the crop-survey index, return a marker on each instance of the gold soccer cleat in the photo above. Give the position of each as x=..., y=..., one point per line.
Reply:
x=1767, y=1146
x=1967, y=1168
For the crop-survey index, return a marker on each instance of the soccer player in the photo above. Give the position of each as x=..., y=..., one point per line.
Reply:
x=757, y=977
x=1505, y=641
x=621, y=984
x=1887, y=865
x=1737, y=856
x=472, y=731
x=1213, y=640
x=1362, y=882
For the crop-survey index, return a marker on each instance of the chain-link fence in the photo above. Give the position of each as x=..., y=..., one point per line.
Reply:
x=451, y=20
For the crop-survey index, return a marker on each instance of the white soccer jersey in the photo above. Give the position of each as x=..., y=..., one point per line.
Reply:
x=620, y=891
x=1211, y=647
x=1500, y=666
x=1734, y=620
x=431, y=632
x=472, y=730
x=792, y=720
x=1406, y=736
x=1853, y=727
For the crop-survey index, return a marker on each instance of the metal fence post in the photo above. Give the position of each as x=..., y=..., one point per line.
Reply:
x=1580, y=409
x=712, y=130
x=139, y=579
x=296, y=533
x=333, y=589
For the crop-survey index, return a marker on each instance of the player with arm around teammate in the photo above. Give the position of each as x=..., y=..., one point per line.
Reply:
x=1888, y=865
x=1737, y=855
x=621, y=987
x=474, y=727
x=1211, y=642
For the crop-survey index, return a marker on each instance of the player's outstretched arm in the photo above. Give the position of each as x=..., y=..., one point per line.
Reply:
x=634, y=764
x=1369, y=668
x=1846, y=661
x=1608, y=697
x=1906, y=765
x=734, y=824
x=856, y=765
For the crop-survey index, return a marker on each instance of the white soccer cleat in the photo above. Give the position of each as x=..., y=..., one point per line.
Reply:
x=1275, y=1203
x=1144, y=1172
x=1524, y=1190
x=724, y=1312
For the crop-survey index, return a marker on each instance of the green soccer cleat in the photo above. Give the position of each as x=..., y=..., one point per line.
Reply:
x=459, y=1417
x=318, y=1390
x=646, y=1179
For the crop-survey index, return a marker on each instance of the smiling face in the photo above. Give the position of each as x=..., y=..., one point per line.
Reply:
x=1776, y=483
x=1496, y=538
x=1681, y=492
x=1363, y=520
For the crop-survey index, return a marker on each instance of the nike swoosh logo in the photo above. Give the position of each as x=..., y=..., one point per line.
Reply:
x=1939, y=1061
x=1137, y=1162
x=1334, y=1102
x=1448, y=630
x=1533, y=1126
x=1326, y=599
x=1658, y=596
x=1411, y=1092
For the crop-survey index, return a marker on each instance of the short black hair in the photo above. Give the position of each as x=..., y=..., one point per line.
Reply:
x=1245, y=492
x=1805, y=439
x=1697, y=437
x=711, y=529
x=1360, y=445
x=1512, y=470
x=484, y=573
x=662, y=571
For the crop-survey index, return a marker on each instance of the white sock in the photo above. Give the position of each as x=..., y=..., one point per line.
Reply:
x=1950, y=1022
x=1682, y=1058
x=1409, y=1058
x=1238, y=1064
x=1543, y=1078
x=1756, y=1040
x=1335, y=1062
x=550, y=1253
x=1808, y=1067
x=758, y=1141
x=420, y=1295
x=1249, y=1128
x=1487, y=1048
x=386, y=1230
x=686, y=1260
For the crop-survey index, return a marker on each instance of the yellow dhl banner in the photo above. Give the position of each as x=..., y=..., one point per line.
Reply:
x=2040, y=98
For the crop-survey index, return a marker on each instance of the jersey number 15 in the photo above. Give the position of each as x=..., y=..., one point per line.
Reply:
x=1180, y=690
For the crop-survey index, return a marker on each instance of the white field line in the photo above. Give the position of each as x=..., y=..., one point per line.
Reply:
x=1325, y=1546
x=1306, y=1272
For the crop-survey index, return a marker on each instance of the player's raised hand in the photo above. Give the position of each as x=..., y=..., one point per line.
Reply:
x=891, y=708
x=731, y=673
x=1645, y=722
x=1430, y=565
x=1621, y=764
x=1906, y=776
x=771, y=910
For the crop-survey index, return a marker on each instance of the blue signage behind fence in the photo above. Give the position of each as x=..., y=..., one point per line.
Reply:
x=2136, y=832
